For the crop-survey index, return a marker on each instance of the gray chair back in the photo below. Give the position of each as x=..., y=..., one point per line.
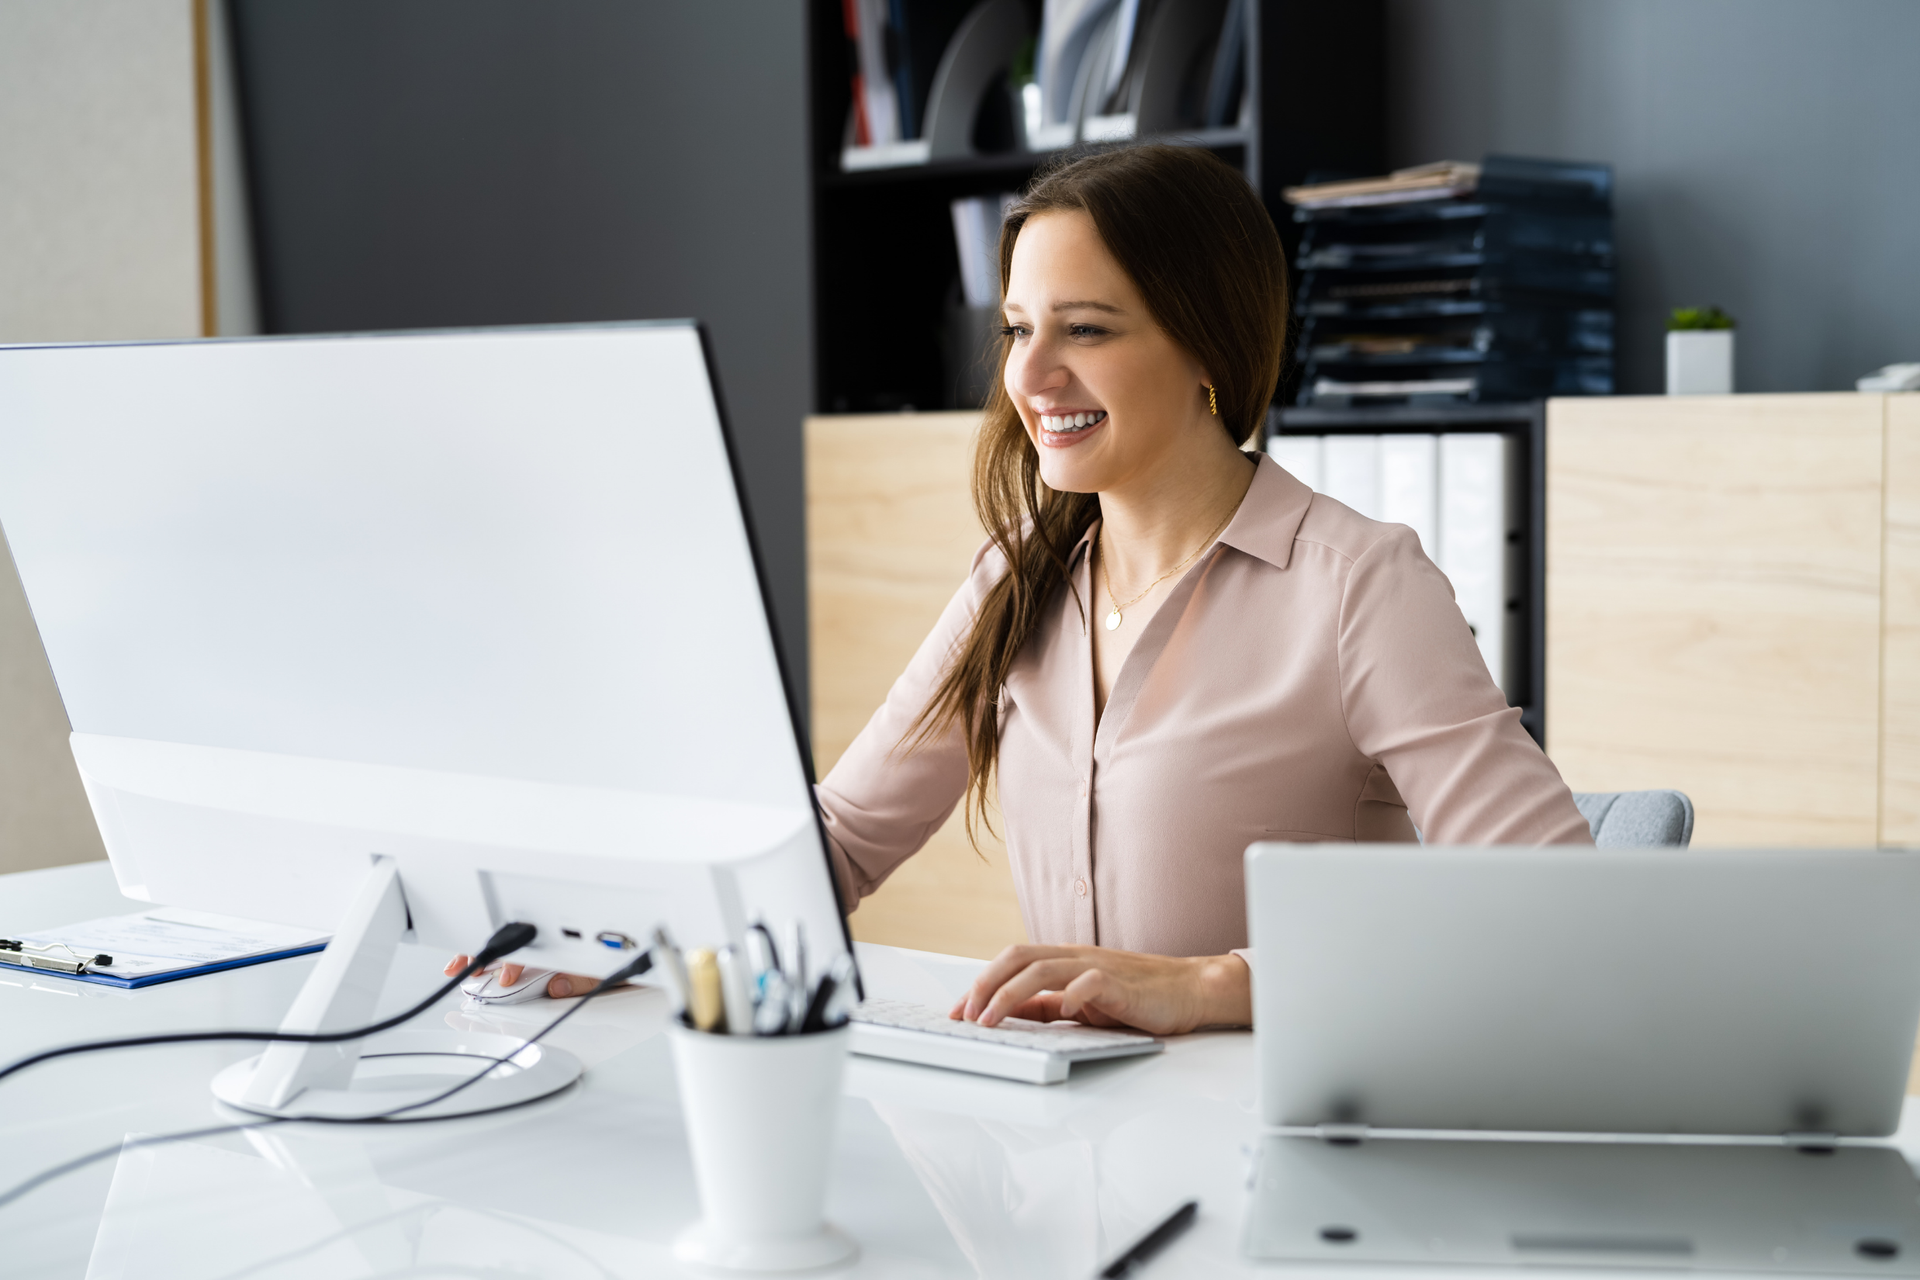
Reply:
x=1637, y=819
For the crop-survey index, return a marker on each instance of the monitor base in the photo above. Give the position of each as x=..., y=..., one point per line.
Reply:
x=404, y=1068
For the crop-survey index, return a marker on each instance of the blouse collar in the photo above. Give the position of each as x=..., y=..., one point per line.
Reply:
x=1263, y=527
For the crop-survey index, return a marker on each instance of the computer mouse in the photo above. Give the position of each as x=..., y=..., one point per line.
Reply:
x=485, y=988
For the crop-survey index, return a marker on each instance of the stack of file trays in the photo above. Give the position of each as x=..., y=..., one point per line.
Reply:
x=1471, y=284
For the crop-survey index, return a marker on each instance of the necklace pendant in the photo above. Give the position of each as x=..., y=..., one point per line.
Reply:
x=1113, y=620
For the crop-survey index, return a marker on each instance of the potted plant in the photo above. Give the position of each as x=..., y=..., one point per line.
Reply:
x=1699, y=352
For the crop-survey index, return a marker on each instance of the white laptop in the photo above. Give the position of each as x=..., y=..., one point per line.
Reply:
x=1700, y=991
x=1705, y=1000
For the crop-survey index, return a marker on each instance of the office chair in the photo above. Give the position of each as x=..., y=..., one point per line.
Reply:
x=1637, y=819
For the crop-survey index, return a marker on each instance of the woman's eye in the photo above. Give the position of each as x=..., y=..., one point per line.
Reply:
x=1085, y=330
x=1015, y=331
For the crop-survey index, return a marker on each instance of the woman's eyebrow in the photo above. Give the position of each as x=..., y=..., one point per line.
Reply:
x=1107, y=307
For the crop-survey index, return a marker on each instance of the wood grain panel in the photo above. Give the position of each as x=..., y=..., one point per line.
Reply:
x=1713, y=608
x=890, y=537
x=1900, y=639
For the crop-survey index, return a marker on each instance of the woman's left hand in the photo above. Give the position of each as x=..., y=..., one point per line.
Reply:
x=1161, y=995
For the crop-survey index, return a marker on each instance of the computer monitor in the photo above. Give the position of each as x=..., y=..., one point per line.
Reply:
x=465, y=626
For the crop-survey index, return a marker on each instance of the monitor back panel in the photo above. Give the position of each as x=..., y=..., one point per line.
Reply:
x=1585, y=990
x=482, y=601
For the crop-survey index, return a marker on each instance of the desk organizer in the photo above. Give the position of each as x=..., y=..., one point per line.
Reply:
x=760, y=1113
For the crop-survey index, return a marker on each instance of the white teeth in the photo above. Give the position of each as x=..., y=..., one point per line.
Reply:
x=1068, y=423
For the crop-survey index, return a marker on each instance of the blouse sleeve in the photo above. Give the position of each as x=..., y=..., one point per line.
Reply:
x=1418, y=700
x=884, y=798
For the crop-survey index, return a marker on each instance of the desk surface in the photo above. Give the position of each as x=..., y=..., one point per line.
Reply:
x=936, y=1174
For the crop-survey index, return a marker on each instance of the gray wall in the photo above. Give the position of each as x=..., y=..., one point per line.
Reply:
x=1767, y=156
x=422, y=163
x=99, y=239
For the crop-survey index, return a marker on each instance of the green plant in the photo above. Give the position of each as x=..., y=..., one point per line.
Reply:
x=1020, y=71
x=1699, y=318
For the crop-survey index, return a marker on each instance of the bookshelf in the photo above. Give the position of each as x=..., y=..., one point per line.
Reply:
x=885, y=268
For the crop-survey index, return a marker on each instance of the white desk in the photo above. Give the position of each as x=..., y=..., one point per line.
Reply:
x=936, y=1174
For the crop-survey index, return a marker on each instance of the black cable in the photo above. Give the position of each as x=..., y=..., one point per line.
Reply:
x=636, y=968
x=507, y=940
x=632, y=970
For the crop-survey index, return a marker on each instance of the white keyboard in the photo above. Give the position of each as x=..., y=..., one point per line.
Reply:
x=1036, y=1052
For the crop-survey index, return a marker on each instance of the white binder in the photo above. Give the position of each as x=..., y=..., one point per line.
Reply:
x=1476, y=516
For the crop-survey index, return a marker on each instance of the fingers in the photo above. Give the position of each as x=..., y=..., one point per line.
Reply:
x=1043, y=975
x=562, y=985
x=1044, y=1007
x=1095, y=996
x=1001, y=970
x=456, y=964
x=510, y=973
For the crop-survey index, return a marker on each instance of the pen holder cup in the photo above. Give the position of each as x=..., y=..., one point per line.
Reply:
x=760, y=1113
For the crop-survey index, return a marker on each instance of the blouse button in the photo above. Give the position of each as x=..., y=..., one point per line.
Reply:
x=1080, y=887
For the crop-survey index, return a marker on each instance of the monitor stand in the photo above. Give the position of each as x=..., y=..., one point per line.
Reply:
x=357, y=1079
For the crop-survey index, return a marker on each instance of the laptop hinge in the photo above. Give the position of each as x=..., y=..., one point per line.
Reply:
x=1341, y=1135
x=1811, y=1141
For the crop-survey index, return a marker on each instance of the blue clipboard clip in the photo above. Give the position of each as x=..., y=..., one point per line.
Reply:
x=26, y=955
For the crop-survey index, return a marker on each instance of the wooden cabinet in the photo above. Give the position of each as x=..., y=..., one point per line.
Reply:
x=890, y=537
x=1733, y=609
x=1900, y=627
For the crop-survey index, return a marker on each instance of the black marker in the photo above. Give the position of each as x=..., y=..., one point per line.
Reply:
x=1153, y=1242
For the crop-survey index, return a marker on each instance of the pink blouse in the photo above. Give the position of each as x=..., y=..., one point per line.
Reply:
x=1309, y=678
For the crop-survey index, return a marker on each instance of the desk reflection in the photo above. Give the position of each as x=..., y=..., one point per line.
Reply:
x=285, y=1205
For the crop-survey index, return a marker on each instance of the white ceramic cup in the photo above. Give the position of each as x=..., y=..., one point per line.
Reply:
x=760, y=1113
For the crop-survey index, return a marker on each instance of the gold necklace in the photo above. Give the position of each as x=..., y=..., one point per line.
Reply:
x=1106, y=571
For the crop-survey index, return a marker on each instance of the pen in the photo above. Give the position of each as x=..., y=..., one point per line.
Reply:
x=673, y=969
x=845, y=994
x=705, y=1004
x=733, y=993
x=816, y=1016
x=760, y=948
x=770, y=1016
x=796, y=972
x=1153, y=1242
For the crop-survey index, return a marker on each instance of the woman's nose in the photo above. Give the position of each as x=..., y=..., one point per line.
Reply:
x=1034, y=368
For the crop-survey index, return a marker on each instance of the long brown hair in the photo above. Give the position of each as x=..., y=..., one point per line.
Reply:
x=1199, y=246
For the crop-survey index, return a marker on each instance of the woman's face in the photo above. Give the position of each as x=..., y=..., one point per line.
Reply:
x=1107, y=397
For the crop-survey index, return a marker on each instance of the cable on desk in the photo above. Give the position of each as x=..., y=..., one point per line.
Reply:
x=633, y=970
x=507, y=940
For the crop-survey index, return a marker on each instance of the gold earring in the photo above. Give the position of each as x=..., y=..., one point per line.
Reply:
x=1213, y=405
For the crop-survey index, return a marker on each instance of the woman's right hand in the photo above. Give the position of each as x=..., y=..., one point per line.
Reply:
x=559, y=986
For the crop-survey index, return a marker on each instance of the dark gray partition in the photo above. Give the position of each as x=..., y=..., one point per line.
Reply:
x=422, y=163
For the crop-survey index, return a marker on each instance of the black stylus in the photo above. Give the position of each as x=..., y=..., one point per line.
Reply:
x=1153, y=1242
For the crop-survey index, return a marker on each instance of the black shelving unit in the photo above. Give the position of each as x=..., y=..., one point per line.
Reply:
x=1527, y=422
x=884, y=262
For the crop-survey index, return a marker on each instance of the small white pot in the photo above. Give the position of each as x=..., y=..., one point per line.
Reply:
x=1700, y=362
x=760, y=1112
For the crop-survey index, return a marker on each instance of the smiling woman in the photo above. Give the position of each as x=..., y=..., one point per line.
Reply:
x=1169, y=649
x=1096, y=665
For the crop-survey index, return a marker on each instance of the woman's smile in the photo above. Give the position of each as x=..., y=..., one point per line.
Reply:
x=1064, y=430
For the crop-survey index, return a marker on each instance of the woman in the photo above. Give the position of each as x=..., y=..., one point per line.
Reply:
x=1168, y=648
